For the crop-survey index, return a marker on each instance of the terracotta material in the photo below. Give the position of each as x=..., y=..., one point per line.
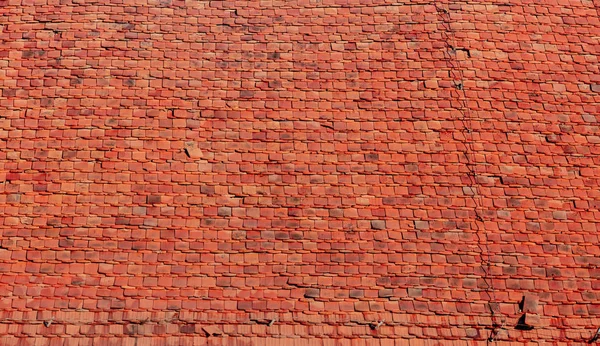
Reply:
x=303, y=172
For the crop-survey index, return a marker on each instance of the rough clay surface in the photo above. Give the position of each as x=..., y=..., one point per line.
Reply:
x=303, y=172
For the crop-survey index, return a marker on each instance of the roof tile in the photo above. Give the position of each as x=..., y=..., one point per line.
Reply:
x=170, y=167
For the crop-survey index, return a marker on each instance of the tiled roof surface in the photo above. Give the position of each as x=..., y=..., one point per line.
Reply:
x=299, y=172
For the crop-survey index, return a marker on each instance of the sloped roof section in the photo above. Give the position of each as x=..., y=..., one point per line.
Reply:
x=304, y=171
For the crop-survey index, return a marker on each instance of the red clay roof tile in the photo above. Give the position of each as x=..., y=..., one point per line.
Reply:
x=298, y=172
